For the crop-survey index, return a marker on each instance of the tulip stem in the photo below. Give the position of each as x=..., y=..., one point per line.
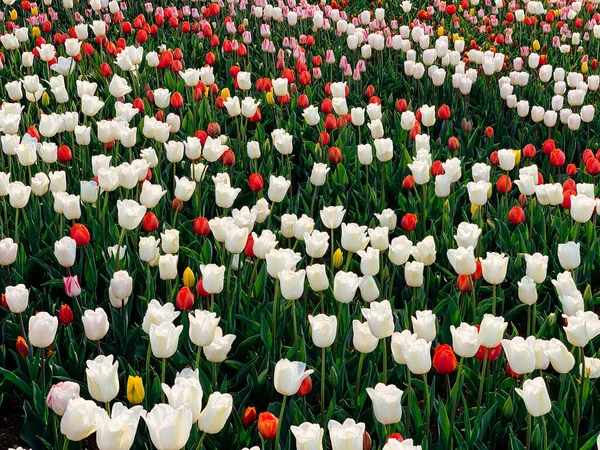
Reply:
x=409, y=398
x=162, y=379
x=528, y=442
x=358, y=373
x=331, y=248
x=275, y=310
x=65, y=444
x=427, y=405
x=323, y=350
x=482, y=378
x=199, y=446
x=43, y=357
x=348, y=261
x=545, y=445
x=295, y=322
x=493, y=299
x=118, y=251
x=279, y=422
x=198, y=352
x=148, y=356
x=384, y=349
x=580, y=402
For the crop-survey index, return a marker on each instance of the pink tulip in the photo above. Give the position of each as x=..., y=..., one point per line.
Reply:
x=72, y=287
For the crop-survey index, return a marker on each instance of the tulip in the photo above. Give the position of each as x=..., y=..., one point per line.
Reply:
x=118, y=431
x=561, y=359
x=213, y=278
x=462, y=260
x=424, y=325
x=169, y=428
x=413, y=273
x=399, y=250
x=135, y=390
x=346, y=436
x=354, y=237
x=186, y=389
x=332, y=216
x=582, y=327
x=278, y=187
x=79, y=419
x=386, y=403
x=17, y=298
x=102, y=378
x=417, y=354
x=8, y=251
x=569, y=255
x=203, y=326
x=527, y=291
x=65, y=251
x=95, y=324
x=268, y=424
x=60, y=394
x=520, y=354
x=345, y=285
x=216, y=412
x=323, y=329
x=167, y=266
x=130, y=213
x=157, y=314
x=309, y=436
x=289, y=375
x=218, y=349
x=164, y=339
x=42, y=329
x=535, y=395
x=279, y=260
x=537, y=267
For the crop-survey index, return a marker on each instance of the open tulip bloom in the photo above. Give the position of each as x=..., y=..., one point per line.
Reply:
x=206, y=207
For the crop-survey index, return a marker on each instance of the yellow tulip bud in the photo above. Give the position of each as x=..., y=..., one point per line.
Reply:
x=584, y=67
x=460, y=9
x=34, y=11
x=270, y=99
x=474, y=209
x=517, y=156
x=338, y=258
x=225, y=93
x=189, y=279
x=135, y=390
x=472, y=11
x=13, y=14
x=45, y=99
x=440, y=31
x=489, y=192
x=206, y=92
x=536, y=45
x=35, y=32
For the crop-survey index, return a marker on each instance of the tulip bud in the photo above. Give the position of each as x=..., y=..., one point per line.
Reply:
x=65, y=314
x=21, y=347
x=135, y=390
x=267, y=425
x=189, y=279
x=338, y=258
x=249, y=416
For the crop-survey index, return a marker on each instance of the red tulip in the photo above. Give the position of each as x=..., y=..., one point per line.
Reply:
x=249, y=247
x=256, y=182
x=529, y=151
x=464, y=283
x=80, y=234
x=65, y=314
x=408, y=182
x=557, y=157
x=444, y=112
x=444, y=359
x=335, y=155
x=150, y=222
x=305, y=386
x=185, y=299
x=21, y=347
x=201, y=226
x=105, y=70
x=249, y=416
x=516, y=215
x=409, y=222
x=504, y=184
x=176, y=100
x=64, y=154
x=267, y=425
x=200, y=289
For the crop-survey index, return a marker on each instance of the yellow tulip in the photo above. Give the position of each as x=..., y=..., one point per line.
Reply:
x=440, y=31
x=135, y=390
x=189, y=279
x=34, y=11
x=13, y=14
x=584, y=67
x=270, y=99
x=472, y=11
x=474, y=209
x=35, y=32
x=460, y=9
x=338, y=258
x=45, y=99
x=536, y=45
x=489, y=192
x=517, y=156
x=225, y=93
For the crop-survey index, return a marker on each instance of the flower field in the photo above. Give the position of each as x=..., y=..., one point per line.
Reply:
x=342, y=225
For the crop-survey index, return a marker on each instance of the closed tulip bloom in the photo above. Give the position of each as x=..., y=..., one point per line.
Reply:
x=346, y=436
x=420, y=171
x=317, y=243
x=95, y=324
x=130, y=213
x=399, y=250
x=289, y=376
x=541, y=359
x=323, y=329
x=215, y=413
x=506, y=159
x=157, y=314
x=467, y=235
x=465, y=340
x=18, y=194
x=60, y=394
x=368, y=289
x=236, y=239
x=365, y=154
x=148, y=249
x=17, y=298
x=387, y=405
x=282, y=259
x=527, y=291
x=380, y=318
x=332, y=216
x=424, y=325
x=369, y=261
x=413, y=273
x=564, y=283
x=425, y=251
x=317, y=277
x=494, y=267
x=278, y=187
x=213, y=278
x=169, y=428
x=292, y=283
x=311, y=115
x=264, y=243
x=42, y=329
x=288, y=222
x=561, y=359
x=224, y=195
x=103, y=378
x=462, y=260
x=387, y=218
x=582, y=327
x=203, y=325
x=478, y=192
x=309, y=436
x=319, y=173
x=379, y=238
x=185, y=188
x=218, y=349
x=569, y=255
x=406, y=444
x=79, y=420
x=167, y=267
x=164, y=339
x=118, y=431
x=399, y=342
x=491, y=330
x=151, y=194
x=582, y=208
x=345, y=285
x=537, y=267
x=535, y=395
x=417, y=354
x=354, y=237
x=186, y=389
x=520, y=354
x=362, y=339
x=121, y=284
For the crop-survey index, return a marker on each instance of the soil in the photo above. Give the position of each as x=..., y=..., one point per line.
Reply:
x=11, y=420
